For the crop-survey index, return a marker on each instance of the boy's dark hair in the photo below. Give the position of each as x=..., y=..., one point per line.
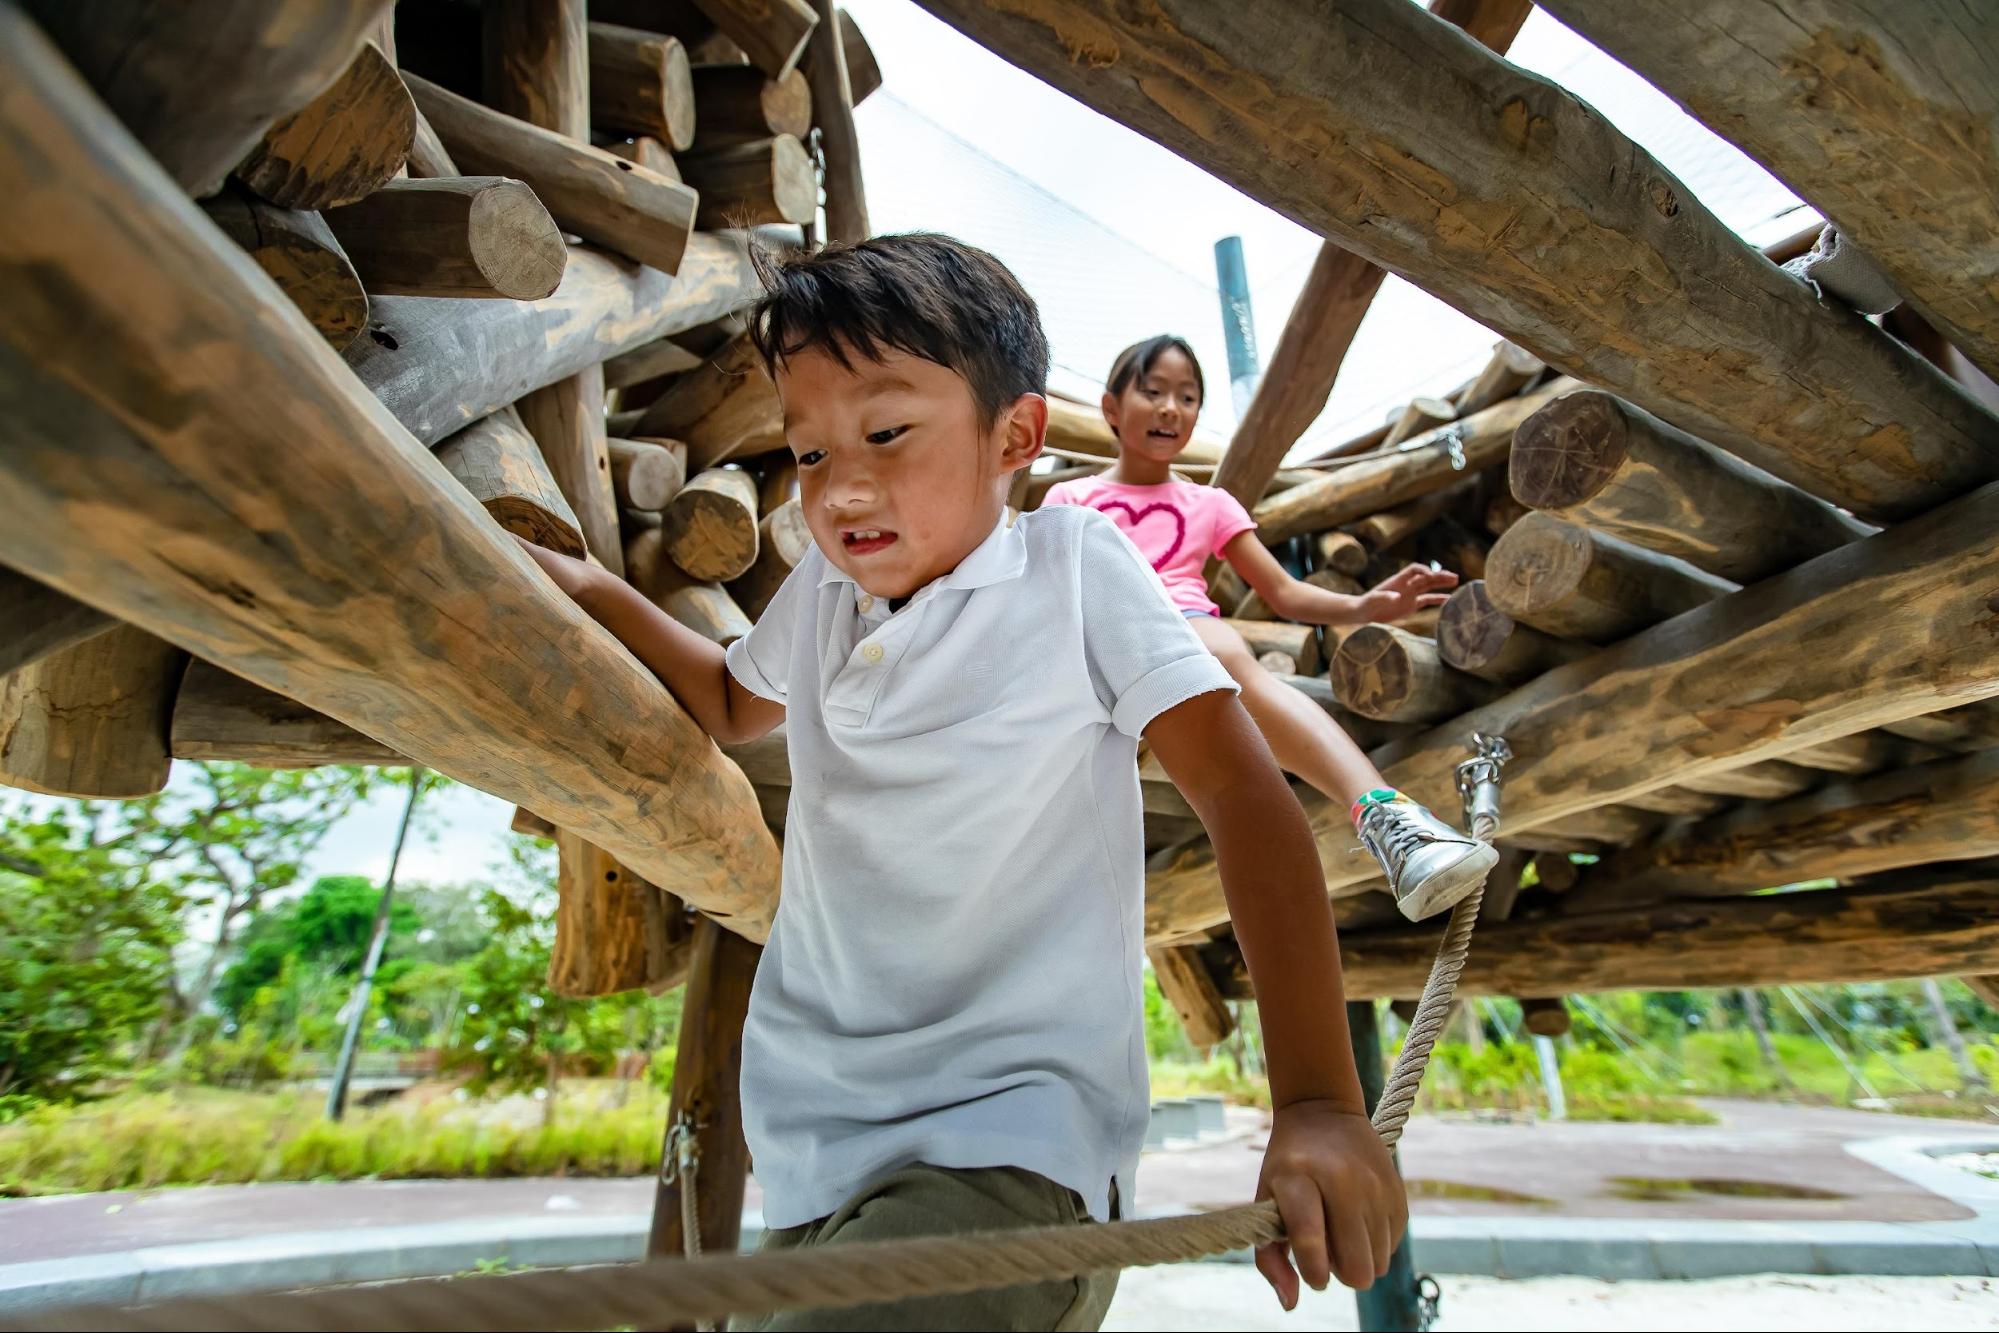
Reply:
x=1139, y=358
x=918, y=292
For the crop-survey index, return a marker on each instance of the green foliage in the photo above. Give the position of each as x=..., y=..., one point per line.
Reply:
x=329, y=925
x=1165, y=1039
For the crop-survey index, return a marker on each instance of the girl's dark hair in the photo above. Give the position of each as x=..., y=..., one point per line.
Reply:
x=1139, y=358
x=919, y=293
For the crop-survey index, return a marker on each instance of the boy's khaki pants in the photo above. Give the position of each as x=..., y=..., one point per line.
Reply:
x=925, y=1200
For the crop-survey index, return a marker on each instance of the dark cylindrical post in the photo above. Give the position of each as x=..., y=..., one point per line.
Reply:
x=1392, y=1304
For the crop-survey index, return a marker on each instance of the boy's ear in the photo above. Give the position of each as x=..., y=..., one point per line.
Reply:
x=1023, y=431
x=1110, y=410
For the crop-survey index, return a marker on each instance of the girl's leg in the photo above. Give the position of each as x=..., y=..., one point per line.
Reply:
x=1303, y=738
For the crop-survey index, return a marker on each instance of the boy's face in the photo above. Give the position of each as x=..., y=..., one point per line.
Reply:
x=898, y=477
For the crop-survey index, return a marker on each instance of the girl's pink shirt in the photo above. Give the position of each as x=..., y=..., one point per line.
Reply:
x=1175, y=525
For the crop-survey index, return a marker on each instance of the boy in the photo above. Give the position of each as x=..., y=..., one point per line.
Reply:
x=945, y=1029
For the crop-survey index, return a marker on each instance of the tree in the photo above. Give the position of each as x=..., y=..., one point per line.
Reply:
x=328, y=925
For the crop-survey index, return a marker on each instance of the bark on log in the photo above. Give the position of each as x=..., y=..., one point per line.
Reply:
x=498, y=461
x=91, y=720
x=711, y=525
x=567, y=420
x=645, y=474
x=1276, y=636
x=1884, y=116
x=1678, y=801
x=1510, y=370
x=1891, y=627
x=41, y=621
x=1575, y=583
x=439, y=365
x=1385, y=673
x=480, y=669
x=751, y=184
x=1419, y=467
x=601, y=934
x=343, y=145
x=1588, y=458
x=737, y=104
x=199, y=84
x=727, y=408
x=641, y=83
x=605, y=199
x=537, y=67
x=1523, y=207
x=1184, y=981
x=647, y=152
x=218, y=715
x=467, y=236
x=301, y=255
x=782, y=541
x=1477, y=637
x=705, y=608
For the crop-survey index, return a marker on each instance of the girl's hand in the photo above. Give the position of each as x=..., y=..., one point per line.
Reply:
x=1335, y=1185
x=1406, y=592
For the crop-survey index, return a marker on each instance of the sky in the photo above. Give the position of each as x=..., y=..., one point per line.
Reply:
x=1115, y=237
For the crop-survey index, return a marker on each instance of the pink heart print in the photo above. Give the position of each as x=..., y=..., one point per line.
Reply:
x=1138, y=516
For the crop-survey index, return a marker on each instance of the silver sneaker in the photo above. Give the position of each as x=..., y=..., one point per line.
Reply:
x=1431, y=866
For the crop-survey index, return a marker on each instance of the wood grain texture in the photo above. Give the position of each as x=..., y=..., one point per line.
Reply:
x=724, y=409
x=647, y=152
x=1510, y=370
x=479, y=237
x=566, y=419
x=1424, y=413
x=499, y=463
x=537, y=64
x=641, y=83
x=90, y=720
x=343, y=145
x=833, y=113
x=1298, y=642
x=782, y=541
x=1514, y=201
x=706, y=608
x=1184, y=981
x=429, y=159
x=302, y=255
x=1394, y=676
x=753, y=184
x=218, y=715
x=645, y=474
x=741, y=104
x=1478, y=638
x=864, y=72
x=650, y=361
x=772, y=33
x=257, y=506
x=1576, y=583
x=40, y=621
x=711, y=525
x=601, y=922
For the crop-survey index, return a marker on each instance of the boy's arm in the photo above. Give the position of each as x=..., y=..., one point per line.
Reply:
x=694, y=668
x=1344, y=1208
x=1408, y=590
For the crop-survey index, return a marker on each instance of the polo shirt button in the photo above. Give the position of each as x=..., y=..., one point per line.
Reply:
x=873, y=652
x=867, y=603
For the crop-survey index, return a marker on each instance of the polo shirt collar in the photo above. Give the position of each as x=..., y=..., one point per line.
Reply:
x=1001, y=556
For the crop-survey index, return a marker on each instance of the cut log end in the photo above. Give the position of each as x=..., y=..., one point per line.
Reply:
x=343, y=146
x=1568, y=451
x=1539, y=563
x=1372, y=673
x=1471, y=631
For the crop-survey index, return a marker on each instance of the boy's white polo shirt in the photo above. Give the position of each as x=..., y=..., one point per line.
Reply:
x=954, y=972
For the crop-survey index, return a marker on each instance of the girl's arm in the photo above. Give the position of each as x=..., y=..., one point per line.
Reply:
x=1400, y=594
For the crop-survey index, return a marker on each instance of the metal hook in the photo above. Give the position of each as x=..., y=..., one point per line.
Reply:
x=1479, y=781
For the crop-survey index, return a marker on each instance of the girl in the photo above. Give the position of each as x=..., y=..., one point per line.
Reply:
x=1151, y=402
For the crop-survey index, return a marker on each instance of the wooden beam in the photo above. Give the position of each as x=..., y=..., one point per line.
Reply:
x=752, y=184
x=391, y=603
x=91, y=719
x=341, y=146
x=1184, y=981
x=726, y=408
x=1890, y=627
x=782, y=541
x=706, y=608
x=439, y=364
x=617, y=204
x=1478, y=638
x=1883, y=116
x=467, y=236
x=662, y=356
x=1420, y=466
x=1576, y=583
x=531, y=825
x=601, y=922
x=641, y=83
x=218, y=715
x=567, y=420
x=833, y=99
x=41, y=621
x=864, y=72
x=1385, y=673
x=429, y=159
x=1986, y=988
x=1520, y=205
x=536, y=67
x=1510, y=370
x=1422, y=415
x=772, y=33
x=198, y=85
x=1766, y=780
x=645, y=474
x=1590, y=459
x=736, y=104
x=498, y=461
x=647, y=152
x=302, y=255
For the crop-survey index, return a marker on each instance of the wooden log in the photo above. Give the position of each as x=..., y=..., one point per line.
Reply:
x=645, y=474
x=1276, y=636
x=1342, y=552
x=617, y=204
x=90, y=720
x=711, y=525
x=1678, y=801
x=1503, y=512
x=600, y=923
x=1986, y=988
x=440, y=364
x=782, y=541
x=498, y=461
x=641, y=83
x=567, y=420
x=1545, y=1015
x=751, y=184
x=647, y=152
x=1514, y=201
x=833, y=113
x=529, y=824
x=1184, y=981
x=1882, y=116
x=772, y=33
x=737, y=104
x=1555, y=871
x=705, y=608
x=1590, y=459
x=1510, y=370
x=1862, y=753
x=479, y=668
x=1891, y=627
x=1423, y=414
x=669, y=938
x=429, y=159
x=1479, y=639
x=1278, y=664
x=301, y=255
x=1767, y=780
x=341, y=146
x=707, y=1098
x=661, y=356
x=864, y=72
x=727, y=408
x=467, y=236
x=1383, y=672
x=537, y=68
x=1605, y=825
x=1417, y=468
x=218, y=715
x=1575, y=583
x=777, y=481
x=198, y=85
x=1392, y=527
x=41, y=621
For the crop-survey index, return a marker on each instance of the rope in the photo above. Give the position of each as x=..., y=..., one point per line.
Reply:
x=710, y=1288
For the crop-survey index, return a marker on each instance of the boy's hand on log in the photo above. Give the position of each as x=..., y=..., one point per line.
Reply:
x=1335, y=1185
x=1407, y=591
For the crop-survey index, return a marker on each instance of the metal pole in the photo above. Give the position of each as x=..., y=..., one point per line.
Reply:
x=1238, y=325
x=1393, y=1304
x=378, y=940
x=1551, y=1077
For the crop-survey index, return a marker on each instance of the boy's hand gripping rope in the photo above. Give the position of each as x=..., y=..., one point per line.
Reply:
x=713, y=1287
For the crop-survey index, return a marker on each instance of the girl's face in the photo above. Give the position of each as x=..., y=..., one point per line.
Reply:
x=1154, y=417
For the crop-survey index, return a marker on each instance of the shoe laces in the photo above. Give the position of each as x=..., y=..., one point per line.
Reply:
x=1392, y=832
